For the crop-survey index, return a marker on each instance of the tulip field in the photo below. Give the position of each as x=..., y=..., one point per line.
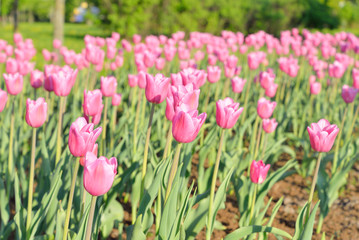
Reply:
x=156, y=137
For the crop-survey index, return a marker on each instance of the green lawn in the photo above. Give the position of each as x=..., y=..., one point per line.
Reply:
x=41, y=33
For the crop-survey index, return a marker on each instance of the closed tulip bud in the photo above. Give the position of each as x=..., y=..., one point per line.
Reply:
x=265, y=108
x=266, y=79
x=3, y=99
x=14, y=83
x=46, y=54
x=141, y=78
x=63, y=81
x=312, y=78
x=82, y=137
x=99, y=174
x=227, y=112
x=213, y=74
x=36, y=78
x=349, y=93
x=156, y=88
x=269, y=125
x=108, y=86
x=132, y=80
x=238, y=84
x=36, y=112
x=92, y=102
x=229, y=72
x=271, y=90
x=212, y=60
x=94, y=151
x=170, y=108
x=322, y=135
x=11, y=66
x=315, y=88
x=116, y=99
x=186, y=125
x=160, y=63
x=258, y=171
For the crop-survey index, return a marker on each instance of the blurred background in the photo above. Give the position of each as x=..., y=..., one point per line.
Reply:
x=71, y=20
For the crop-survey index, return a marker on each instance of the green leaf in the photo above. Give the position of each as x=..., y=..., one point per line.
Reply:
x=135, y=232
x=308, y=227
x=246, y=231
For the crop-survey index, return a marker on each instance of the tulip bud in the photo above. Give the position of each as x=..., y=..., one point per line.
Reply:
x=3, y=99
x=265, y=108
x=258, y=171
x=99, y=174
x=269, y=125
x=315, y=88
x=108, y=86
x=14, y=83
x=36, y=112
x=92, y=102
x=349, y=93
x=186, y=125
x=227, y=113
x=116, y=99
x=322, y=135
x=36, y=78
x=156, y=88
x=238, y=84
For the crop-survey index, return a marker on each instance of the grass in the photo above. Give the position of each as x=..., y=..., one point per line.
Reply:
x=42, y=33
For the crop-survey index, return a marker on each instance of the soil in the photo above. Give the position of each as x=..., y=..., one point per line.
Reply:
x=342, y=221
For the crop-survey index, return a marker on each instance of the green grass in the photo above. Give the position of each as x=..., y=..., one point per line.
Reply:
x=42, y=34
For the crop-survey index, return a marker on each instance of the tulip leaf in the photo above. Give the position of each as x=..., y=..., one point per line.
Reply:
x=308, y=227
x=246, y=231
x=135, y=232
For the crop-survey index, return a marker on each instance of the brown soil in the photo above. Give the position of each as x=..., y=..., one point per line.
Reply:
x=342, y=221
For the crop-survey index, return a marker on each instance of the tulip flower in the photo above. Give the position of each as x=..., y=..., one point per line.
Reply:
x=355, y=75
x=213, y=74
x=116, y=99
x=258, y=171
x=132, y=80
x=82, y=137
x=238, y=84
x=108, y=86
x=92, y=102
x=186, y=125
x=227, y=112
x=271, y=90
x=3, y=99
x=63, y=81
x=315, y=88
x=156, y=88
x=322, y=135
x=11, y=66
x=349, y=94
x=269, y=125
x=265, y=108
x=14, y=83
x=36, y=112
x=99, y=174
x=37, y=78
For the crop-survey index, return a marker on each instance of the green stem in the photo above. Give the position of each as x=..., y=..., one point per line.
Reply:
x=113, y=125
x=226, y=87
x=213, y=187
x=315, y=177
x=104, y=124
x=11, y=156
x=143, y=111
x=245, y=106
x=148, y=135
x=31, y=180
x=136, y=121
x=353, y=122
x=173, y=170
x=254, y=134
x=167, y=150
x=59, y=129
x=69, y=204
x=264, y=146
x=90, y=219
x=258, y=139
x=253, y=203
x=336, y=153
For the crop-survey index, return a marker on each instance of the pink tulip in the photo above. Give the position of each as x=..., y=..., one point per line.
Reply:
x=266, y=79
x=156, y=88
x=3, y=99
x=170, y=108
x=56, y=43
x=227, y=113
x=63, y=81
x=355, y=75
x=315, y=88
x=213, y=74
x=231, y=61
x=271, y=90
x=116, y=99
x=349, y=93
x=322, y=135
x=141, y=78
x=94, y=151
x=238, y=84
x=229, y=72
x=92, y=102
x=265, y=108
x=212, y=60
x=11, y=66
x=36, y=112
x=312, y=79
x=132, y=80
x=160, y=63
x=82, y=137
x=36, y=78
x=99, y=174
x=186, y=125
x=115, y=36
x=108, y=86
x=46, y=54
x=14, y=83
x=136, y=38
x=269, y=125
x=17, y=38
x=48, y=81
x=258, y=171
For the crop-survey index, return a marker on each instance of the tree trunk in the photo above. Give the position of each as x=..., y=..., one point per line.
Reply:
x=16, y=23
x=59, y=18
